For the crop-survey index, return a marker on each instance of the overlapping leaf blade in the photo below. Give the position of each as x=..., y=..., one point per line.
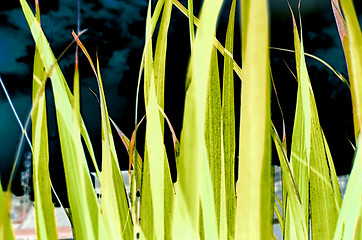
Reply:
x=157, y=189
x=86, y=216
x=351, y=38
x=43, y=206
x=349, y=221
x=160, y=56
x=114, y=202
x=308, y=157
x=194, y=180
x=297, y=225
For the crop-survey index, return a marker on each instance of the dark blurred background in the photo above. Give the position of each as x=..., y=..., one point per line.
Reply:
x=116, y=31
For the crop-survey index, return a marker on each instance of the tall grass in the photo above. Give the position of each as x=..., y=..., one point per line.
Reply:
x=205, y=202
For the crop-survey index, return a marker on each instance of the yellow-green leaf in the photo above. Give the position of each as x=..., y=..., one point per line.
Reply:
x=160, y=56
x=213, y=134
x=349, y=221
x=228, y=126
x=294, y=207
x=308, y=156
x=253, y=211
x=194, y=180
x=43, y=206
x=86, y=215
x=351, y=38
x=6, y=227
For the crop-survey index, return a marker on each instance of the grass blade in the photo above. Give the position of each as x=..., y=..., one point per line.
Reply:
x=216, y=43
x=228, y=126
x=351, y=38
x=293, y=208
x=6, y=227
x=190, y=4
x=86, y=216
x=338, y=74
x=43, y=205
x=194, y=180
x=160, y=56
x=349, y=221
x=213, y=137
x=253, y=212
x=301, y=138
x=308, y=155
x=147, y=205
x=114, y=202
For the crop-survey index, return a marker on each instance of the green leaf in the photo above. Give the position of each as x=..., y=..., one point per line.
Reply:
x=228, y=126
x=86, y=216
x=6, y=227
x=254, y=209
x=308, y=156
x=216, y=43
x=194, y=180
x=114, y=201
x=351, y=38
x=213, y=137
x=43, y=205
x=349, y=221
x=293, y=214
x=157, y=189
x=136, y=160
x=338, y=74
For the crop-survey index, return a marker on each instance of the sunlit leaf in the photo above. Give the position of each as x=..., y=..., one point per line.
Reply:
x=43, y=205
x=254, y=208
x=308, y=155
x=213, y=136
x=349, y=221
x=351, y=38
x=86, y=216
x=228, y=128
x=194, y=180
x=114, y=201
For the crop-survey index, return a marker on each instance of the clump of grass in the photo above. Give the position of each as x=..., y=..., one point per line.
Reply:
x=205, y=202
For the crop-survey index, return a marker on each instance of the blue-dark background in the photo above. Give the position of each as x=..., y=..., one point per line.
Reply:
x=116, y=30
